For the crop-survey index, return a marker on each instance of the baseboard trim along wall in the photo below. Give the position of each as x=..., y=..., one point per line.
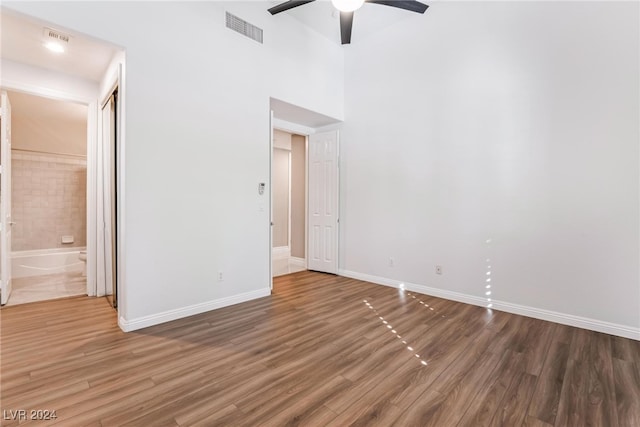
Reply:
x=179, y=313
x=300, y=262
x=281, y=252
x=537, y=313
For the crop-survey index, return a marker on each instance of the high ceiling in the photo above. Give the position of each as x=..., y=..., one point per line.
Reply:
x=22, y=37
x=22, y=40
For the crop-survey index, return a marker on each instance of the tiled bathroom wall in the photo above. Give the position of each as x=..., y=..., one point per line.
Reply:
x=49, y=200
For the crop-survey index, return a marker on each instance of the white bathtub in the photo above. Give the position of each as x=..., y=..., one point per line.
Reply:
x=46, y=261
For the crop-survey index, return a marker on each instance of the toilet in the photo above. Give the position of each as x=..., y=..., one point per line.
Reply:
x=83, y=257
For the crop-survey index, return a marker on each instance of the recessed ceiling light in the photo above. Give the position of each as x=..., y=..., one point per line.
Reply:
x=54, y=47
x=55, y=40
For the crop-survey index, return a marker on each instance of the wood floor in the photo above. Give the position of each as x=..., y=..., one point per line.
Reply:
x=321, y=351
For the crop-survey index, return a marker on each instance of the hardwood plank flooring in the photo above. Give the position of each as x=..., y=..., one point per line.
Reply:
x=322, y=350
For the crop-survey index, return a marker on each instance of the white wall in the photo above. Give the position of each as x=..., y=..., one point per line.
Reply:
x=31, y=79
x=280, y=192
x=49, y=136
x=281, y=195
x=48, y=126
x=516, y=122
x=298, y=195
x=197, y=141
x=281, y=140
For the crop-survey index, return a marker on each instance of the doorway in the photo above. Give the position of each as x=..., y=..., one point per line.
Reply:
x=86, y=72
x=45, y=195
x=321, y=219
x=289, y=197
x=321, y=186
x=77, y=253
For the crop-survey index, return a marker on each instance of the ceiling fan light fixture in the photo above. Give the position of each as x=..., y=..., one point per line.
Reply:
x=347, y=9
x=347, y=5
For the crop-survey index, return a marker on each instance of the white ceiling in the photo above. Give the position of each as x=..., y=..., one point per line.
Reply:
x=41, y=109
x=22, y=36
x=22, y=41
x=294, y=114
x=322, y=17
x=47, y=125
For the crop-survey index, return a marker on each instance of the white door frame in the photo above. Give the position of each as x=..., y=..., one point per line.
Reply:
x=93, y=127
x=305, y=131
x=301, y=130
x=92, y=132
x=115, y=82
x=292, y=128
x=271, y=129
x=6, y=222
x=104, y=190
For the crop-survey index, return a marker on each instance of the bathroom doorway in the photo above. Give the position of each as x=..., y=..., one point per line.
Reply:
x=85, y=71
x=48, y=177
x=289, y=159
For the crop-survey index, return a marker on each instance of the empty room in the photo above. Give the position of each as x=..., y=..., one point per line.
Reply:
x=467, y=230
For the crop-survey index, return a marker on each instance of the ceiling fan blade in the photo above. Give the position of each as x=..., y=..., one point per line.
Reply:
x=287, y=5
x=410, y=5
x=346, y=25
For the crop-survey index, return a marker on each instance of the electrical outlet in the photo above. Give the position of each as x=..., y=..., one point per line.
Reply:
x=392, y=262
x=438, y=269
x=220, y=276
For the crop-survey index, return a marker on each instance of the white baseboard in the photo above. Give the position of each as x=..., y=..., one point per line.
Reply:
x=299, y=262
x=536, y=313
x=179, y=313
x=281, y=252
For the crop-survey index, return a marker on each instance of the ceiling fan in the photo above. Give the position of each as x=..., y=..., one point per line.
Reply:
x=348, y=7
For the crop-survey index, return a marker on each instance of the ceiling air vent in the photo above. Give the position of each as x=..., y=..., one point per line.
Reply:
x=55, y=35
x=243, y=27
x=54, y=40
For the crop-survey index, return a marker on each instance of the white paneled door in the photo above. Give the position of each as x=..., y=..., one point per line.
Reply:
x=5, y=199
x=323, y=202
